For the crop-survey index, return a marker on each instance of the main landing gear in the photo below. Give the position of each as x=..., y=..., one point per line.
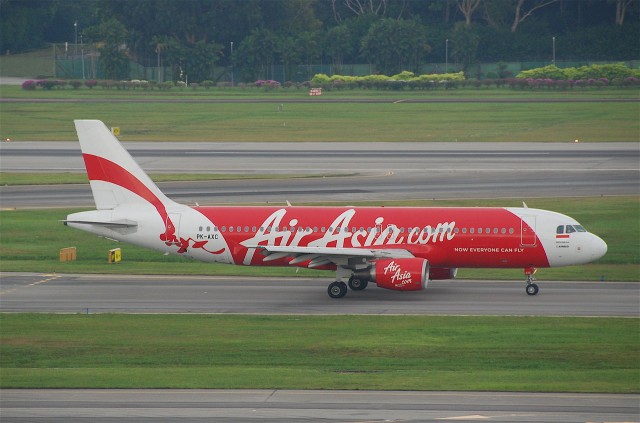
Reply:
x=338, y=289
x=532, y=288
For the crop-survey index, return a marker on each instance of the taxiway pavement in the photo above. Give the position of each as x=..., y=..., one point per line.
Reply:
x=374, y=171
x=283, y=406
x=65, y=293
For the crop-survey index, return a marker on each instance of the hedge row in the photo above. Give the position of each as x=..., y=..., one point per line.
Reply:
x=396, y=82
x=610, y=72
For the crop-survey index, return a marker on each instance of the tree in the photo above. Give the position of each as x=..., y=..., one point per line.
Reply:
x=339, y=44
x=395, y=45
x=256, y=55
x=359, y=7
x=22, y=24
x=521, y=13
x=465, y=41
x=621, y=10
x=468, y=7
x=200, y=60
x=113, y=55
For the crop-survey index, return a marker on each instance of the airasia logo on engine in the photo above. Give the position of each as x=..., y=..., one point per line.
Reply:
x=401, y=274
x=398, y=276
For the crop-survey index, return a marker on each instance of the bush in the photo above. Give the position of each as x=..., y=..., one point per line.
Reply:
x=29, y=85
x=608, y=71
x=90, y=83
x=320, y=79
x=166, y=86
x=75, y=84
x=47, y=84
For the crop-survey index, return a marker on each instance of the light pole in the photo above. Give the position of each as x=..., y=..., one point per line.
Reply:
x=82, y=51
x=554, y=50
x=75, y=49
x=446, y=56
x=231, y=61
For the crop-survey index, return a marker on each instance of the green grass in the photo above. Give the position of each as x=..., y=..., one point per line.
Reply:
x=301, y=352
x=249, y=92
x=31, y=240
x=175, y=122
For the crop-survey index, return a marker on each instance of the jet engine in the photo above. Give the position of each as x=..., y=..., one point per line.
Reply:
x=404, y=274
x=439, y=273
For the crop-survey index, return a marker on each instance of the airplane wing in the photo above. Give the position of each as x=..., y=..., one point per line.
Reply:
x=320, y=256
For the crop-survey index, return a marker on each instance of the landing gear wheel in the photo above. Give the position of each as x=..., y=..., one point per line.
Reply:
x=337, y=289
x=357, y=284
x=532, y=289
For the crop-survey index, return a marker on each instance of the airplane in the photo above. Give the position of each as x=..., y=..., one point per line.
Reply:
x=397, y=248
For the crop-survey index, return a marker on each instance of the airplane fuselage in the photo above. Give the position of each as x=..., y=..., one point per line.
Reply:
x=398, y=248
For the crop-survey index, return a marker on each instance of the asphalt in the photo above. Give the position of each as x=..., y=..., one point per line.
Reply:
x=60, y=293
x=283, y=406
x=345, y=172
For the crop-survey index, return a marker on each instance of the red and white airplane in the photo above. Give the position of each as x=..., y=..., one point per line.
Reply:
x=398, y=248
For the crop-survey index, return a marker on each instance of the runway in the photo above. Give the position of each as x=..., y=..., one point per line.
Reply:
x=248, y=406
x=345, y=171
x=32, y=292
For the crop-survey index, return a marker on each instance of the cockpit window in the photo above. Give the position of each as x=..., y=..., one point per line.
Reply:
x=569, y=229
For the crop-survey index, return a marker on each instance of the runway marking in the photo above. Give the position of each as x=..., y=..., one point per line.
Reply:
x=471, y=417
x=47, y=278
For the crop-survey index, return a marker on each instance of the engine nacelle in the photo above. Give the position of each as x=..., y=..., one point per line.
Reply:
x=439, y=273
x=404, y=274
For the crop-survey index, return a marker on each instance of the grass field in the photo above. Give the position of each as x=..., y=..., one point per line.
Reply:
x=184, y=121
x=301, y=352
x=31, y=240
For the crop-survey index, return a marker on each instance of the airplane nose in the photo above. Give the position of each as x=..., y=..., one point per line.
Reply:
x=598, y=247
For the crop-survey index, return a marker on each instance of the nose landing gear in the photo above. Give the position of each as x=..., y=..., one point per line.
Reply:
x=532, y=288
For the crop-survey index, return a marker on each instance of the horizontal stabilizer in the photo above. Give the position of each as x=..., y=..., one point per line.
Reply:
x=122, y=223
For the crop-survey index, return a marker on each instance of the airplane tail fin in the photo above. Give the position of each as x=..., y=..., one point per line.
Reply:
x=115, y=178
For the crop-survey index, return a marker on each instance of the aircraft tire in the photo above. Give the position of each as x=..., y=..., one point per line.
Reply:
x=532, y=289
x=357, y=284
x=337, y=289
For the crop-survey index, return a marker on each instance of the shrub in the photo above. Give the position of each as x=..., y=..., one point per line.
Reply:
x=47, y=84
x=166, y=85
x=90, y=83
x=320, y=79
x=75, y=84
x=29, y=85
